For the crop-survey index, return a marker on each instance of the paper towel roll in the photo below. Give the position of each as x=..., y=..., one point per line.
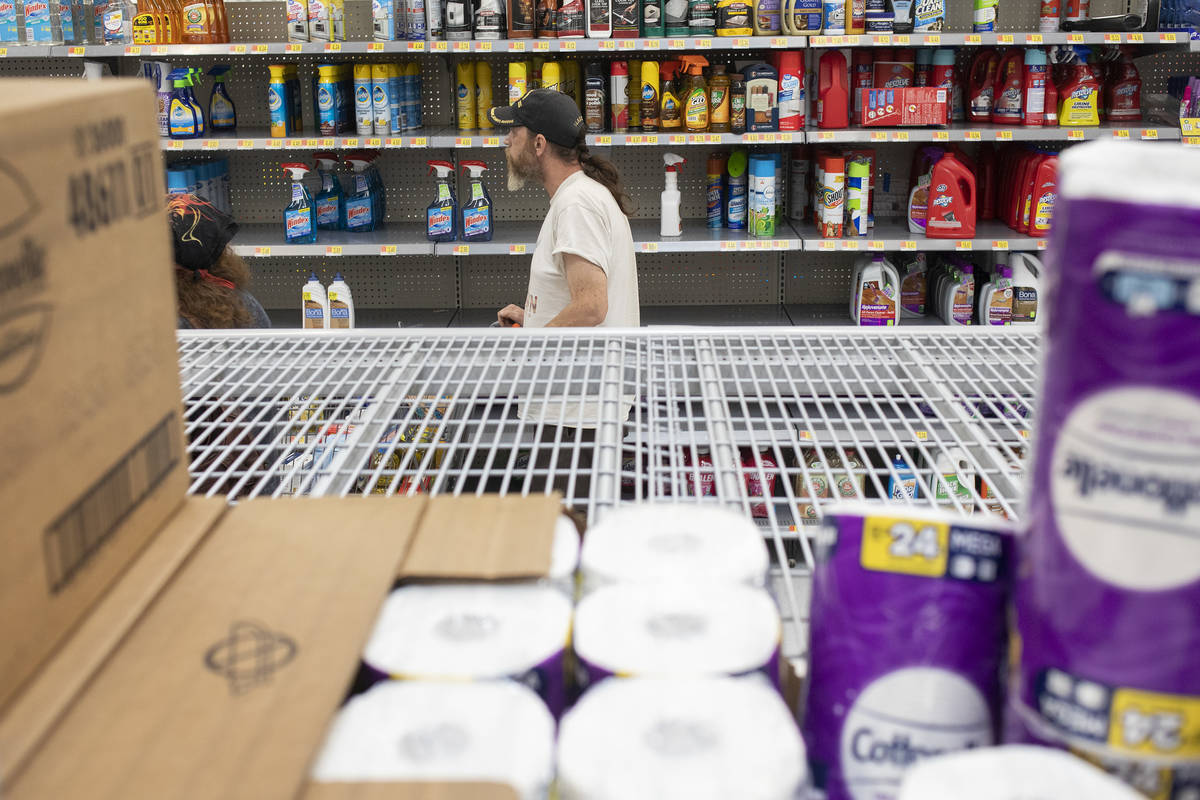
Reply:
x=1108, y=604
x=644, y=630
x=1016, y=772
x=907, y=638
x=475, y=631
x=492, y=731
x=687, y=738
x=653, y=542
x=564, y=555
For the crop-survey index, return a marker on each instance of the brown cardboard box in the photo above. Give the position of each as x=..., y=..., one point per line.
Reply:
x=89, y=389
x=226, y=683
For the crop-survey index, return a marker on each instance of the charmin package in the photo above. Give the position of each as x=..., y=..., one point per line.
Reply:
x=1013, y=772
x=680, y=739
x=907, y=637
x=656, y=630
x=463, y=631
x=400, y=731
x=655, y=542
x=1108, y=602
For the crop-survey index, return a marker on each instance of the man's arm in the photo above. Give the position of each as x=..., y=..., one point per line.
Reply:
x=589, y=295
x=511, y=316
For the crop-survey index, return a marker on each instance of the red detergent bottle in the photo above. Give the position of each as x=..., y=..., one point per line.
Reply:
x=952, y=200
x=981, y=86
x=833, y=95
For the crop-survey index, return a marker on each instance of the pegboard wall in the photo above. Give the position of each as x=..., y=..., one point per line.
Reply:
x=411, y=282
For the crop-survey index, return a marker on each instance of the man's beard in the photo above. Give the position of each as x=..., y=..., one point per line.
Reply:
x=522, y=169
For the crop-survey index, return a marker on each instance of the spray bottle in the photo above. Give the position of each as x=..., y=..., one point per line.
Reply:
x=330, y=201
x=695, y=97
x=222, y=114
x=477, y=211
x=360, y=207
x=1079, y=95
x=671, y=224
x=441, y=217
x=181, y=113
x=1124, y=91
x=300, y=216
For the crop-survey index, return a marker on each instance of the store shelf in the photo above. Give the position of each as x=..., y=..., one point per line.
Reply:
x=994, y=133
x=892, y=235
x=721, y=315
x=26, y=51
x=260, y=139
x=392, y=240
x=389, y=318
x=483, y=139
x=1176, y=38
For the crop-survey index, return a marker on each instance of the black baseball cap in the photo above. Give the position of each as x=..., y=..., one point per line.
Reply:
x=545, y=111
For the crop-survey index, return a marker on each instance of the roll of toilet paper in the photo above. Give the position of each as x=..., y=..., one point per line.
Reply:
x=684, y=739
x=1015, y=772
x=1108, y=602
x=564, y=555
x=907, y=638
x=475, y=631
x=491, y=731
x=654, y=542
x=645, y=630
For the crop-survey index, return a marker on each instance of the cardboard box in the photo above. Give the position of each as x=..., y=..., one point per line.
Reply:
x=94, y=458
x=224, y=685
x=904, y=107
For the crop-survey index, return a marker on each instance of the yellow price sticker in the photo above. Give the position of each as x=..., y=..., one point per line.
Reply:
x=853, y=40
x=439, y=47
x=881, y=41
x=292, y=47
x=820, y=41
x=779, y=41
x=162, y=49
x=462, y=249
x=676, y=44
x=1024, y=433
x=780, y=244
x=649, y=247
x=1168, y=38
x=516, y=249
x=462, y=141
x=328, y=142
x=1000, y=244
x=903, y=40
x=516, y=46
x=1121, y=134
x=174, y=144
x=1004, y=136
x=374, y=47
x=653, y=44
x=1149, y=723
x=608, y=44
x=964, y=245
x=374, y=143
x=785, y=138
x=258, y=48
x=76, y=51
x=905, y=546
x=651, y=139
x=394, y=141
x=827, y=244
x=741, y=42
x=483, y=47
x=1112, y=38
x=1150, y=134
x=974, y=38
x=1137, y=38
x=387, y=250
x=333, y=47
x=245, y=144
x=908, y=244
x=704, y=44
x=875, y=245
x=825, y=136
x=850, y=244
x=1075, y=135
x=900, y=136
x=728, y=246
x=262, y=252
x=294, y=144
x=350, y=142
x=462, y=47
x=878, y=136
x=941, y=136
x=568, y=45
x=211, y=144
x=604, y=140
x=1034, y=38
x=636, y=139
x=1041, y=244
x=541, y=46
x=933, y=40
x=973, y=136
x=416, y=47
x=333, y=250
x=491, y=141
x=922, y=436
x=1005, y=38
x=313, y=143
x=136, y=50
x=1075, y=38
x=1191, y=141
x=678, y=139
x=274, y=144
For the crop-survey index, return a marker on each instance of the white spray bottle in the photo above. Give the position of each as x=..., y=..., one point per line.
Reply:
x=672, y=225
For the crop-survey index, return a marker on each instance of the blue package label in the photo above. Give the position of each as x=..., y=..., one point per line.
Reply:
x=37, y=22
x=327, y=213
x=8, y=22
x=476, y=221
x=339, y=312
x=929, y=15
x=439, y=222
x=358, y=214
x=297, y=223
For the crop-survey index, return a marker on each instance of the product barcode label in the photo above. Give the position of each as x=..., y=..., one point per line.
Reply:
x=876, y=245
x=1112, y=38
x=258, y=48
x=491, y=141
x=292, y=48
x=245, y=144
x=741, y=42
x=375, y=143
x=676, y=44
x=333, y=47
x=933, y=40
x=900, y=136
x=608, y=44
x=237, y=49
x=568, y=46
x=973, y=136
x=878, y=136
x=462, y=250
x=1121, y=134
x=849, y=244
x=1074, y=135
x=1168, y=38
x=210, y=144
x=941, y=136
x=76, y=51
x=779, y=41
x=908, y=244
x=133, y=50
x=1150, y=134
x=653, y=44
x=1004, y=136
x=416, y=47
x=1000, y=244
x=1137, y=38
x=294, y=144
x=826, y=244
x=902, y=40
x=483, y=47
x=78, y=533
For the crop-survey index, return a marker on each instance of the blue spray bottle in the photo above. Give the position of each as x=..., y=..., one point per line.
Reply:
x=441, y=217
x=222, y=114
x=360, y=205
x=181, y=115
x=477, y=211
x=193, y=79
x=331, y=200
x=300, y=216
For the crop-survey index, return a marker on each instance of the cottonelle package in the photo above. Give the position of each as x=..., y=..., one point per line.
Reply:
x=907, y=637
x=680, y=739
x=654, y=542
x=1108, y=601
x=644, y=630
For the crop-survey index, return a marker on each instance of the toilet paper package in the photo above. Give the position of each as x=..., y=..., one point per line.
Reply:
x=462, y=631
x=686, y=629
x=1108, y=599
x=907, y=637
x=651, y=542
x=680, y=739
x=491, y=731
x=564, y=556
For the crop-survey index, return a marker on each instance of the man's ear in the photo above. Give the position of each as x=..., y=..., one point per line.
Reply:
x=540, y=144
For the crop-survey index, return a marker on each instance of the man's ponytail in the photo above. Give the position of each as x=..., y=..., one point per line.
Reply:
x=600, y=170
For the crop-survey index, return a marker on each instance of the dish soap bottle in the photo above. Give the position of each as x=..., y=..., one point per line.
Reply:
x=341, y=304
x=314, y=305
x=222, y=114
x=300, y=216
x=441, y=216
x=671, y=225
x=477, y=211
x=359, y=205
x=331, y=201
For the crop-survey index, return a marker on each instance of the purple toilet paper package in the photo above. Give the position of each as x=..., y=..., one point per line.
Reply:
x=907, y=642
x=1108, y=595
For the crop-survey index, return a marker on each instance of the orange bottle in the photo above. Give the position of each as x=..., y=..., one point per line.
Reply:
x=197, y=22
x=221, y=24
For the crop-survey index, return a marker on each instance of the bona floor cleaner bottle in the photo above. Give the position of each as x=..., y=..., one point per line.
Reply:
x=477, y=211
x=441, y=217
x=300, y=216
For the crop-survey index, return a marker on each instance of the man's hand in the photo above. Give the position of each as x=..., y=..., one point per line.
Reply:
x=511, y=316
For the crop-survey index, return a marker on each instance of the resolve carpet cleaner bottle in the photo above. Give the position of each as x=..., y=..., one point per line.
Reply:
x=981, y=87
x=1123, y=94
x=833, y=96
x=1008, y=96
x=1079, y=94
x=952, y=200
x=441, y=216
x=300, y=216
x=477, y=211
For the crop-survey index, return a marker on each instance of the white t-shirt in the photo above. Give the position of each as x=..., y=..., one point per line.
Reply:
x=586, y=221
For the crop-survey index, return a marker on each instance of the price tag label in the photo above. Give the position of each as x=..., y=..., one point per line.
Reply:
x=1000, y=244
x=1034, y=38
x=1003, y=136
x=333, y=250
x=1150, y=134
x=1041, y=244
x=941, y=136
x=462, y=47
x=491, y=141
x=933, y=40
x=922, y=436
x=1112, y=38
x=726, y=246
x=1190, y=125
x=483, y=47
x=881, y=41
x=274, y=144
x=973, y=136
x=387, y=250
x=75, y=51
x=174, y=144
x=649, y=247
x=416, y=47
x=418, y=141
x=825, y=136
x=1074, y=38
x=1024, y=433
x=900, y=136
x=327, y=142
x=827, y=245
x=850, y=244
x=313, y=143
x=785, y=138
x=604, y=141
x=1168, y=38
x=541, y=46
x=1005, y=38
x=838, y=41
x=1137, y=38
x=162, y=49
x=608, y=44
x=294, y=144
x=333, y=47
x=636, y=139
x=878, y=136
x=1191, y=141
x=741, y=42
x=568, y=46
x=653, y=44
x=780, y=244
x=374, y=47
x=1121, y=134
x=350, y=142
x=245, y=144
x=678, y=139
x=516, y=249
x=853, y=40
x=779, y=41
x=262, y=252
x=908, y=244
x=964, y=245
x=293, y=47
x=136, y=49
x=211, y=144
x=462, y=249
x=704, y=44
x=516, y=46
x=875, y=245
x=462, y=141
x=676, y=44
x=905, y=547
x=374, y=143
x=974, y=38
x=820, y=41
x=394, y=141
x=652, y=139
x=1074, y=135
x=902, y=40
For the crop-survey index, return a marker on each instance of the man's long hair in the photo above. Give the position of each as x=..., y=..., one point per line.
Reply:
x=598, y=169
